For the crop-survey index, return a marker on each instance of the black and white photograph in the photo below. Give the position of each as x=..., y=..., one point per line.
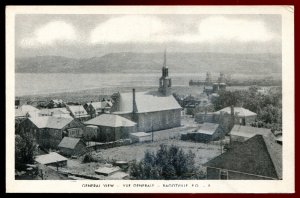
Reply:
x=152, y=99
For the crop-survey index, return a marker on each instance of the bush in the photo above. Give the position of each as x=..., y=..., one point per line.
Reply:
x=170, y=162
x=89, y=158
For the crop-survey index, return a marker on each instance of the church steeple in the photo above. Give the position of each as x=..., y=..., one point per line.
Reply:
x=165, y=81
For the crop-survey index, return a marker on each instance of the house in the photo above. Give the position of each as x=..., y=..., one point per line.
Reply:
x=71, y=146
x=52, y=159
x=48, y=131
x=152, y=110
x=242, y=116
x=241, y=133
x=110, y=127
x=78, y=112
x=206, y=133
x=96, y=108
x=255, y=159
x=56, y=112
x=26, y=111
x=56, y=103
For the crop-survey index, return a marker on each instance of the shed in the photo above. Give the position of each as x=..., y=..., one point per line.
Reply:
x=107, y=171
x=140, y=137
x=52, y=159
x=71, y=146
x=206, y=133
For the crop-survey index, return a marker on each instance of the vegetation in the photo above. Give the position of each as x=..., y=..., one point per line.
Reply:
x=169, y=162
x=268, y=106
x=25, y=150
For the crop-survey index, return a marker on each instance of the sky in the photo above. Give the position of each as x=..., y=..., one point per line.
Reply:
x=85, y=36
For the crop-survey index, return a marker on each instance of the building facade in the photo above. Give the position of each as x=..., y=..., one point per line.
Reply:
x=152, y=110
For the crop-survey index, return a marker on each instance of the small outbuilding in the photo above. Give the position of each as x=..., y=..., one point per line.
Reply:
x=206, y=133
x=52, y=159
x=140, y=137
x=71, y=146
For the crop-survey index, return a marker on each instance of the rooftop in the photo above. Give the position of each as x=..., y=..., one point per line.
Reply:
x=50, y=158
x=150, y=101
x=248, y=131
x=242, y=112
x=110, y=120
x=257, y=156
x=50, y=122
x=208, y=128
x=69, y=142
x=140, y=134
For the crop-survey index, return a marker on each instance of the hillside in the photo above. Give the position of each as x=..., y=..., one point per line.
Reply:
x=152, y=62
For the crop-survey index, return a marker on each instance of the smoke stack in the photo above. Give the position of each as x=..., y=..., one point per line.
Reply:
x=134, y=110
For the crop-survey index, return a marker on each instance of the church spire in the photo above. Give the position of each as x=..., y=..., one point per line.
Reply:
x=165, y=59
x=165, y=81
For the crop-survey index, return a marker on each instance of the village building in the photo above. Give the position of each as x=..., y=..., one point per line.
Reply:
x=52, y=159
x=241, y=133
x=48, y=131
x=56, y=103
x=108, y=127
x=242, y=116
x=78, y=112
x=258, y=158
x=26, y=111
x=56, y=112
x=72, y=146
x=96, y=108
x=207, y=132
x=152, y=110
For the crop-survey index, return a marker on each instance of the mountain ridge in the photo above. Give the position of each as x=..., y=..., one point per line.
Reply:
x=135, y=62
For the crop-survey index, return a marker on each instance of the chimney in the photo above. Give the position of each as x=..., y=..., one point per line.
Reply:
x=134, y=109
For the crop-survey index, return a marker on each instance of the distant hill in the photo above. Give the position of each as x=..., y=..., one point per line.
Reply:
x=152, y=62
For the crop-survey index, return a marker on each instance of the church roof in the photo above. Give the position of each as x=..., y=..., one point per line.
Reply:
x=150, y=101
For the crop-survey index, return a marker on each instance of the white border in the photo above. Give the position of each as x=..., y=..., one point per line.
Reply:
x=287, y=185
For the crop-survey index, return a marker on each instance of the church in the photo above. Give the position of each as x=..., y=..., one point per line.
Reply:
x=151, y=110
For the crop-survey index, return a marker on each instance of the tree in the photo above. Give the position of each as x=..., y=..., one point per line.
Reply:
x=169, y=162
x=25, y=149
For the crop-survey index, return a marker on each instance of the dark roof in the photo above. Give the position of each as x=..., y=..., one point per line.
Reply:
x=258, y=156
x=69, y=142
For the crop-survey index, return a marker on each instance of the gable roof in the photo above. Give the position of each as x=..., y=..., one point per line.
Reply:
x=242, y=112
x=150, y=101
x=50, y=158
x=258, y=156
x=110, y=120
x=50, y=122
x=77, y=110
x=69, y=142
x=248, y=131
x=208, y=128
